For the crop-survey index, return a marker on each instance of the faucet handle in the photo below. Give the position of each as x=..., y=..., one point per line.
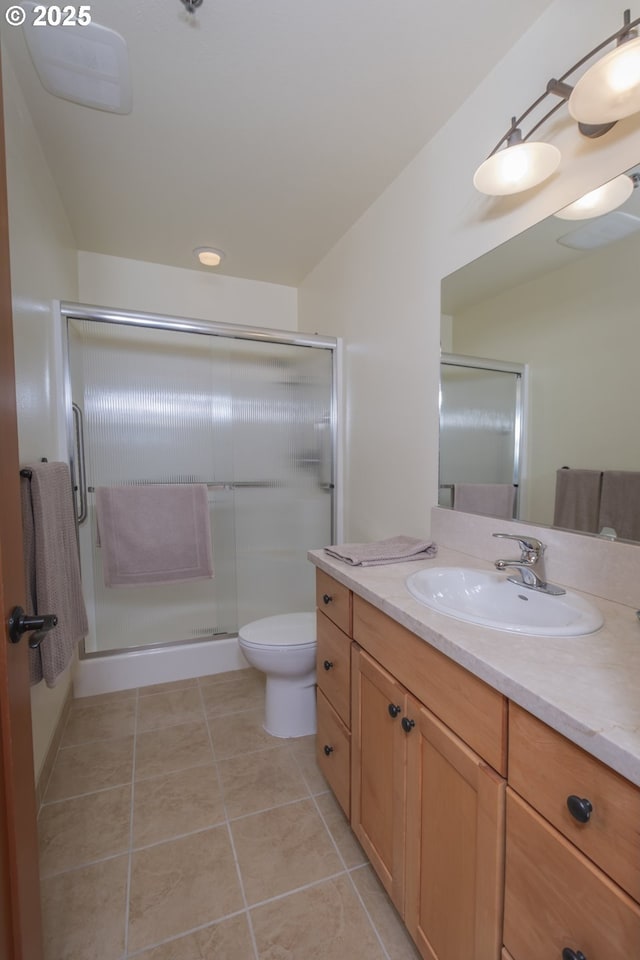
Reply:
x=532, y=549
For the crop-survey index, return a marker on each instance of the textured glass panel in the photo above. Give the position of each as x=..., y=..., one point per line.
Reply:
x=477, y=427
x=251, y=419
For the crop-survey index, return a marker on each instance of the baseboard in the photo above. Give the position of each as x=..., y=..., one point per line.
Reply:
x=52, y=751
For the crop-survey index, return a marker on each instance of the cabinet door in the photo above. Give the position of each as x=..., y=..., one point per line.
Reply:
x=455, y=845
x=378, y=770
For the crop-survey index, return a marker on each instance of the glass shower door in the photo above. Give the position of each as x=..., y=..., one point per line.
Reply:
x=480, y=424
x=250, y=419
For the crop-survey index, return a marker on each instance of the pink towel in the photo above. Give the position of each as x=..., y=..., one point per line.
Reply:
x=489, y=499
x=52, y=567
x=154, y=533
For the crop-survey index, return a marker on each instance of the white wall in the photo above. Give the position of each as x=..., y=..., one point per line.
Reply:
x=379, y=288
x=197, y=294
x=43, y=267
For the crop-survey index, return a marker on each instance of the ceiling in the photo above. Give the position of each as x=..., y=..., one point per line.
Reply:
x=261, y=128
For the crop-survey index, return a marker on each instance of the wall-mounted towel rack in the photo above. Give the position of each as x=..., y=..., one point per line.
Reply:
x=25, y=472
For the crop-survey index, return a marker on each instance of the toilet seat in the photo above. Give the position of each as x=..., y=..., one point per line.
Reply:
x=285, y=629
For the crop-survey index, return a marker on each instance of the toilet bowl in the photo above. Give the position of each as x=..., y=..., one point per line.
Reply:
x=284, y=648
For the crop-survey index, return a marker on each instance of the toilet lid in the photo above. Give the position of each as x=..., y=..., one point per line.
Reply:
x=292, y=629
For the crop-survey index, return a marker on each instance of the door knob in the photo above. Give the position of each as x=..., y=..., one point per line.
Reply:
x=394, y=709
x=327, y=750
x=20, y=623
x=407, y=724
x=569, y=954
x=327, y=664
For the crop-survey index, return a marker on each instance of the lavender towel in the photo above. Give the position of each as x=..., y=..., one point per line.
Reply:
x=488, y=499
x=577, y=500
x=620, y=503
x=394, y=550
x=154, y=533
x=52, y=568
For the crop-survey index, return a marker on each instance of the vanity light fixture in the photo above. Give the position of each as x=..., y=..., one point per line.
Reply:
x=209, y=256
x=602, y=200
x=517, y=163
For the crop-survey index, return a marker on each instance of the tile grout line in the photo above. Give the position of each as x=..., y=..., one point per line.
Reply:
x=230, y=835
x=350, y=879
x=127, y=906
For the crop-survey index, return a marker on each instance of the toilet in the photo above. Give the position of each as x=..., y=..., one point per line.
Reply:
x=284, y=648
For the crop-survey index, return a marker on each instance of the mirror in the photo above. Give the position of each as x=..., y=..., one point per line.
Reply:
x=561, y=298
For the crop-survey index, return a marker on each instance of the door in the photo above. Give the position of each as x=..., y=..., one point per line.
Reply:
x=379, y=770
x=20, y=923
x=455, y=845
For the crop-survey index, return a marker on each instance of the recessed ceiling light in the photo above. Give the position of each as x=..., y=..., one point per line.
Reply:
x=209, y=256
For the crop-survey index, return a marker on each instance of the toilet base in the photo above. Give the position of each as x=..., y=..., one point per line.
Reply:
x=290, y=708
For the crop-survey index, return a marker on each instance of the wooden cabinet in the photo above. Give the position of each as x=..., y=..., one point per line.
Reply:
x=455, y=844
x=418, y=752
x=572, y=879
x=333, y=672
x=556, y=899
x=555, y=776
x=429, y=813
x=378, y=808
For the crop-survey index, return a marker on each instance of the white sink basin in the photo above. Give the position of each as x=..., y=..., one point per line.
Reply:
x=489, y=599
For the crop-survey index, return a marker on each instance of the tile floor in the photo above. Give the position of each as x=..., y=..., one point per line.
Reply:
x=174, y=828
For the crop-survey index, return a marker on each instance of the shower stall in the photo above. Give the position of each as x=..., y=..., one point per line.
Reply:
x=251, y=413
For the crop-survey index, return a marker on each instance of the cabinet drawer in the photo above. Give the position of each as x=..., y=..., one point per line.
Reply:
x=333, y=667
x=470, y=707
x=334, y=600
x=545, y=768
x=333, y=751
x=556, y=898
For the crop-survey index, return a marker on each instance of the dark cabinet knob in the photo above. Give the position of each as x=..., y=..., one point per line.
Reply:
x=569, y=954
x=326, y=599
x=394, y=710
x=328, y=750
x=327, y=664
x=580, y=808
x=407, y=724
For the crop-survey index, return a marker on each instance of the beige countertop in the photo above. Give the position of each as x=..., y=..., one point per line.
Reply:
x=587, y=688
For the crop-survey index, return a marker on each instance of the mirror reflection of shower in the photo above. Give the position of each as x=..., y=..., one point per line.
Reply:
x=481, y=426
x=251, y=419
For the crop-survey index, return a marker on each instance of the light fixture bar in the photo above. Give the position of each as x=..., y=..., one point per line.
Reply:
x=554, y=86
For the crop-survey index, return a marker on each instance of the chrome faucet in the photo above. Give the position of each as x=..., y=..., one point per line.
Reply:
x=530, y=566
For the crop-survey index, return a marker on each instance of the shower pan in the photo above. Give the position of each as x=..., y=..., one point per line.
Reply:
x=250, y=412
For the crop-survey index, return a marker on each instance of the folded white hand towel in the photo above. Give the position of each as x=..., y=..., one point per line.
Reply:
x=393, y=550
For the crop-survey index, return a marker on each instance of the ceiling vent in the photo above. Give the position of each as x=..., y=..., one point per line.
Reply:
x=601, y=231
x=85, y=64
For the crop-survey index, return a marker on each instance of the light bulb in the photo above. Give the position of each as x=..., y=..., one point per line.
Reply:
x=597, y=202
x=516, y=168
x=208, y=256
x=610, y=89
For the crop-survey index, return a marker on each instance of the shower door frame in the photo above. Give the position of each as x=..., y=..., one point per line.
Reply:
x=520, y=371
x=235, y=331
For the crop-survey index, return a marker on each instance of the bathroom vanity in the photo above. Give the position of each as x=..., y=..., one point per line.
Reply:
x=493, y=779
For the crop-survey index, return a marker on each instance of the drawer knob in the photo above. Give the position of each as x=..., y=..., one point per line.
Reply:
x=328, y=750
x=407, y=724
x=394, y=710
x=580, y=809
x=569, y=954
x=327, y=664
x=326, y=599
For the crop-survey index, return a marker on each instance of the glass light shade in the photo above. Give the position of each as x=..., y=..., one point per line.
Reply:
x=597, y=202
x=610, y=89
x=516, y=168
